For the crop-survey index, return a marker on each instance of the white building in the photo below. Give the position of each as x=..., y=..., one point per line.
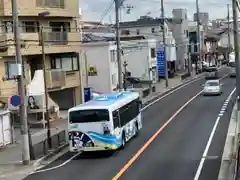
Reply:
x=140, y=56
x=192, y=28
x=152, y=29
x=223, y=42
x=101, y=66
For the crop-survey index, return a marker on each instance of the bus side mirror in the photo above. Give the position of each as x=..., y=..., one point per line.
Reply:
x=140, y=103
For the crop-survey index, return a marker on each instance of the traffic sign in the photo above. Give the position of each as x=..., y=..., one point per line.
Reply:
x=15, y=100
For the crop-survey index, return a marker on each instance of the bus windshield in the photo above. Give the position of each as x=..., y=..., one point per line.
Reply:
x=91, y=115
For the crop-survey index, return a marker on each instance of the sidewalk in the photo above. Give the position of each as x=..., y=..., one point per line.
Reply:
x=10, y=157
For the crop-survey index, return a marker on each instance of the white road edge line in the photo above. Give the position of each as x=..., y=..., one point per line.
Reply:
x=169, y=93
x=181, y=86
x=198, y=173
x=60, y=165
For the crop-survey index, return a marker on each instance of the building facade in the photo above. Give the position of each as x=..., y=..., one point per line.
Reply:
x=151, y=28
x=61, y=34
x=193, y=40
x=203, y=18
x=101, y=66
x=180, y=33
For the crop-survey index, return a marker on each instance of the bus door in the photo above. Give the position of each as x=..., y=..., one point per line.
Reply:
x=117, y=124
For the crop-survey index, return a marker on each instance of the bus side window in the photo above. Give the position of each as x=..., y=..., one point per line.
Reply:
x=116, y=120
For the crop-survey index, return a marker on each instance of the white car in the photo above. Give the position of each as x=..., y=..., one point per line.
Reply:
x=212, y=87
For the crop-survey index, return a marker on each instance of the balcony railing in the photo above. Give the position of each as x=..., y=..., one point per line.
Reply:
x=56, y=37
x=55, y=78
x=50, y=3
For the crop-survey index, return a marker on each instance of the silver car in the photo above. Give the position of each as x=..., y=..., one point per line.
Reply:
x=233, y=73
x=212, y=87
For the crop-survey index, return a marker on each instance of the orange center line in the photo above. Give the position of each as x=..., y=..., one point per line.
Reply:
x=144, y=147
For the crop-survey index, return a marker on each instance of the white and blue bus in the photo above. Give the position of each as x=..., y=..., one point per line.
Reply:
x=105, y=123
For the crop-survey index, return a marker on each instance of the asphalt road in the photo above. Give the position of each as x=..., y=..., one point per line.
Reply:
x=174, y=154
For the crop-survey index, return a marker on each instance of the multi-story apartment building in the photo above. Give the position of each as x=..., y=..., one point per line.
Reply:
x=62, y=38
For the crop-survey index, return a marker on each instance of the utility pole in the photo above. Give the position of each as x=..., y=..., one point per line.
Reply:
x=120, y=79
x=21, y=87
x=45, y=89
x=229, y=40
x=236, y=49
x=164, y=44
x=125, y=76
x=198, y=33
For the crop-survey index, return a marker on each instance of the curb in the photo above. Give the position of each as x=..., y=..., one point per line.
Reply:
x=229, y=160
x=38, y=162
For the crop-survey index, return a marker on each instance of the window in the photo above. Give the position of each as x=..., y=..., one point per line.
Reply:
x=187, y=33
x=68, y=63
x=92, y=115
x=116, y=120
x=153, y=30
x=113, y=55
x=10, y=70
x=114, y=79
x=129, y=111
x=125, y=32
x=212, y=84
x=30, y=26
x=153, y=53
x=138, y=31
x=75, y=63
x=7, y=26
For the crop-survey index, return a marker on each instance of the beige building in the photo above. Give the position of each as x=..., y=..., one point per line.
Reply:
x=62, y=37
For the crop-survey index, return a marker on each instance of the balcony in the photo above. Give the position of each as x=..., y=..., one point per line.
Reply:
x=59, y=79
x=55, y=42
x=57, y=8
x=55, y=78
x=8, y=88
x=56, y=38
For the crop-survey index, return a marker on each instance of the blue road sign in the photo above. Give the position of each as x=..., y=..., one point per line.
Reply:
x=87, y=94
x=15, y=100
x=161, y=62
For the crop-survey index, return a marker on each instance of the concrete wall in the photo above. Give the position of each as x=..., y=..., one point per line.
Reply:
x=180, y=33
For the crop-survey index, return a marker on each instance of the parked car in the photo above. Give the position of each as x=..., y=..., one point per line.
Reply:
x=212, y=87
x=233, y=73
x=211, y=72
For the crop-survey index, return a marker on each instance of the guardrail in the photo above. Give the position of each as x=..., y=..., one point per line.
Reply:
x=41, y=149
x=230, y=159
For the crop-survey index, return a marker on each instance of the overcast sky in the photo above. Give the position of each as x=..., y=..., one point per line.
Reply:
x=93, y=10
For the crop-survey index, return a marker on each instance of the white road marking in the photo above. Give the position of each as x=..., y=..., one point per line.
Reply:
x=150, y=104
x=60, y=165
x=198, y=173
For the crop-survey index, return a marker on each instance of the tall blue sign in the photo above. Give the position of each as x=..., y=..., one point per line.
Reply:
x=87, y=94
x=161, y=62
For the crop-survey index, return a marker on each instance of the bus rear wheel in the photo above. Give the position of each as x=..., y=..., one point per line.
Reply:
x=123, y=141
x=136, y=128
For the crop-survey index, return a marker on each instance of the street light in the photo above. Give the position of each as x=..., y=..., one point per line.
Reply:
x=43, y=14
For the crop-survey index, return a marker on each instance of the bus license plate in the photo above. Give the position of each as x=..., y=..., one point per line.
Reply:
x=78, y=143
